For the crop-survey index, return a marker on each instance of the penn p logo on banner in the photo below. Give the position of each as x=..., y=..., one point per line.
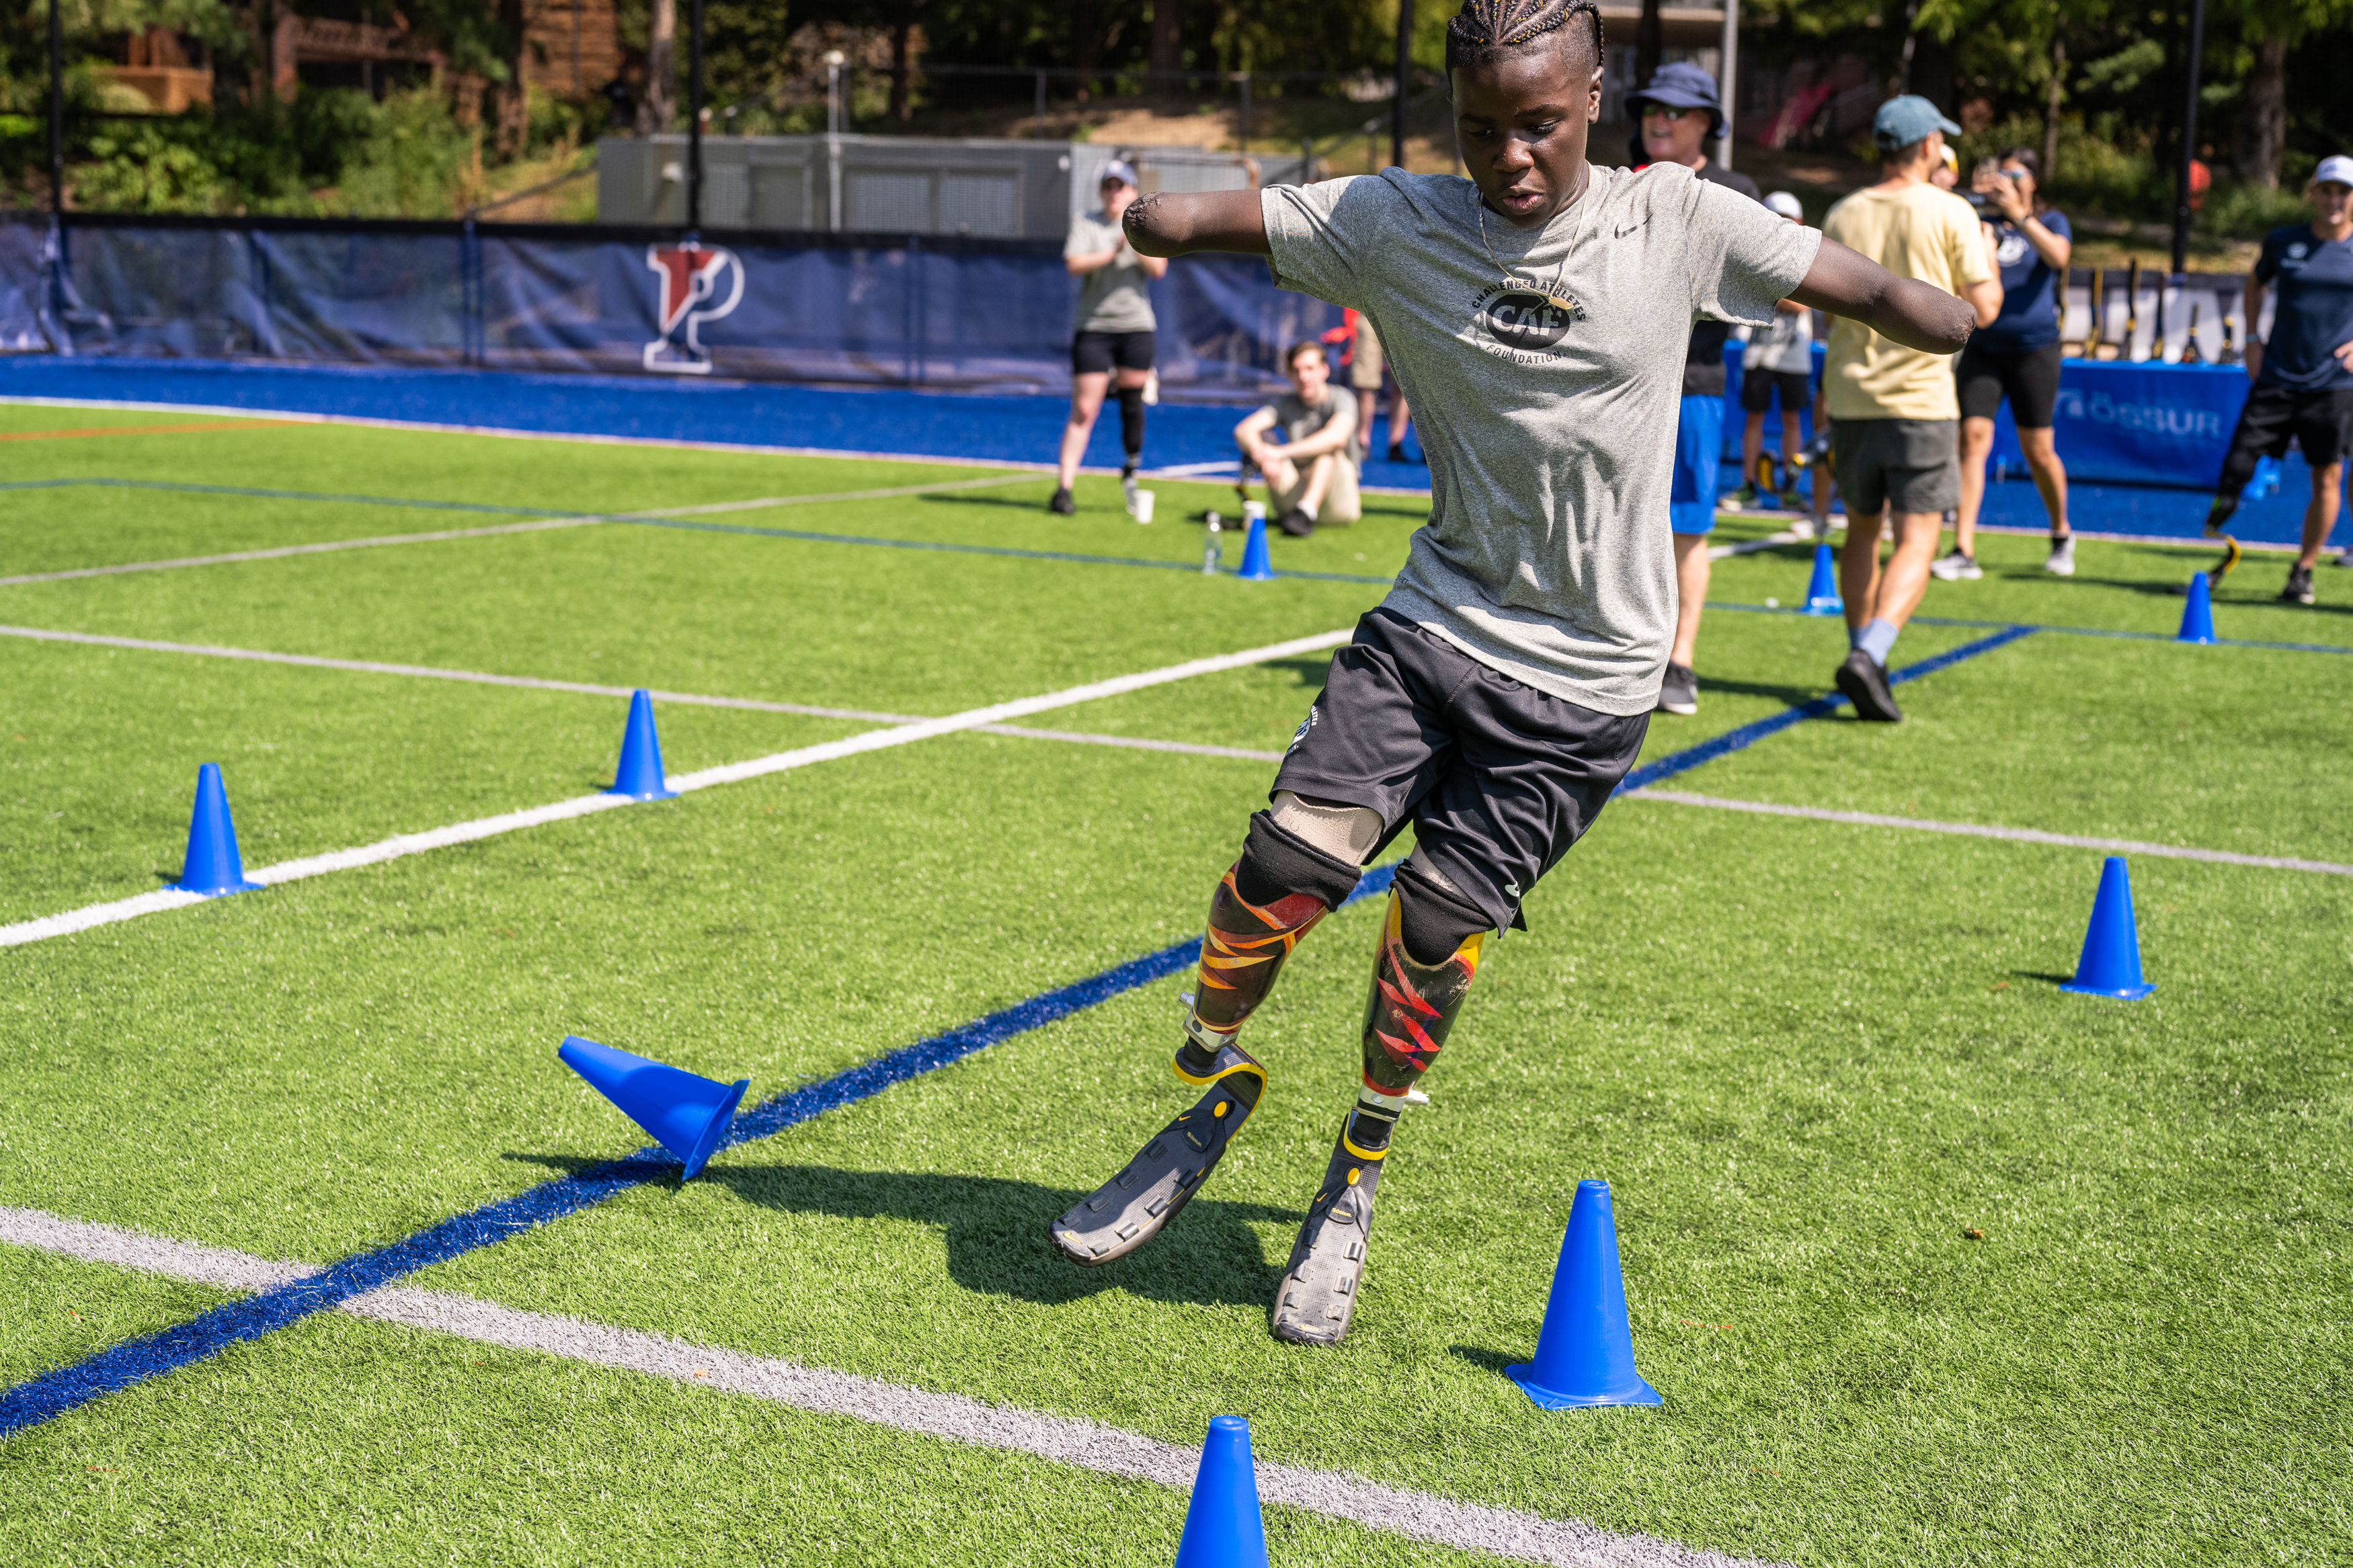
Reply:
x=691, y=280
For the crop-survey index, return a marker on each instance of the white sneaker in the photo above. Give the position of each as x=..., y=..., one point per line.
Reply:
x=1804, y=529
x=1957, y=567
x=2061, y=562
x=2345, y=558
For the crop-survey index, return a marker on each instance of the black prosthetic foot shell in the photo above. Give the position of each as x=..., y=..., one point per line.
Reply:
x=1317, y=1297
x=1134, y=1206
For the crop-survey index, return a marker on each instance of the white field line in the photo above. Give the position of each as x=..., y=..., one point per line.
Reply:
x=758, y=503
x=1980, y=831
x=954, y=1417
x=406, y=844
x=1751, y=546
x=535, y=683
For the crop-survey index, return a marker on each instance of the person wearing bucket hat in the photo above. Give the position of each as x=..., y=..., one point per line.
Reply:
x=1501, y=692
x=2303, y=371
x=1679, y=114
x=1896, y=417
x=1113, y=334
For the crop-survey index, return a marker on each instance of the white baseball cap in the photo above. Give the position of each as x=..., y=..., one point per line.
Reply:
x=2335, y=170
x=1787, y=206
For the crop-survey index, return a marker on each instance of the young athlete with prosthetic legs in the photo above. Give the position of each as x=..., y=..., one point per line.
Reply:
x=1495, y=698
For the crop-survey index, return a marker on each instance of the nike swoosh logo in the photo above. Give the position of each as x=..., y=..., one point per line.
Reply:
x=1629, y=228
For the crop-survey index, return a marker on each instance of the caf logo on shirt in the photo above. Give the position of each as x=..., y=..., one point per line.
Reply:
x=2295, y=251
x=2012, y=249
x=1520, y=318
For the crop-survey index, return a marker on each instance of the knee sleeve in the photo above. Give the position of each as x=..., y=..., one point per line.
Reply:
x=1434, y=918
x=1131, y=420
x=1276, y=861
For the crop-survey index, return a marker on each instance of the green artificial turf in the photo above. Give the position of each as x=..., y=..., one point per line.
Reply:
x=1810, y=1056
x=347, y=1442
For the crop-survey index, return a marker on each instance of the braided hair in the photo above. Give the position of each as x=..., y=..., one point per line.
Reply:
x=1485, y=29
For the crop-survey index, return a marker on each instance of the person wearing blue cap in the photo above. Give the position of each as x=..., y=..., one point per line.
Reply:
x=1499, y=695
x=1113, y=334
x=1895, y=416
x=1680, y=114
x=2303, y=372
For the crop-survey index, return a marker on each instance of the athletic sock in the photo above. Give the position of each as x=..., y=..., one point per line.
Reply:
x=1131, y=422
x=1877, y=638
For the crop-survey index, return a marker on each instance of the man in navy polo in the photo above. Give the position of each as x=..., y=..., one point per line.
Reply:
x=1680, y=113
x=2304, y=371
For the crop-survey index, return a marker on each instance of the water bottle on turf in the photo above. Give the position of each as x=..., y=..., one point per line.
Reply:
x=1213, y=550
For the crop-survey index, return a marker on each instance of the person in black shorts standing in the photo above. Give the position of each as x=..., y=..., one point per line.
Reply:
x=2304, y=372
x=2017, y=358
x=1115, y=332
x=1539, y=309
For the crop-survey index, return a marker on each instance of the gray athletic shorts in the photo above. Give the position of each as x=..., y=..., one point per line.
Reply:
x=1909, y=465
x=1498, y=779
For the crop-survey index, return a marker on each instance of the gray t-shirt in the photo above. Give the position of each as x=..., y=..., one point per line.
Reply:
x=1550, y=431
x=1115, y=298
x=1298, y=421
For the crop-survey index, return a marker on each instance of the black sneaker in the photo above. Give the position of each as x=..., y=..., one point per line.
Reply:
x=1062, y=505
x=1864, y=684
x=1679, y=691
x=1296, y=523
x=1397, y=454
x=2299, y=586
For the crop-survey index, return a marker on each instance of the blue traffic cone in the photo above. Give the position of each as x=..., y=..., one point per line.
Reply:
x=211, y=866
x=1822, y=591
x=1256, y=567
x=640, y=776
x=1223, y=1528
x=2110, y=963
x=687, y=1113
x=1585, y=1354
x=2197, y=615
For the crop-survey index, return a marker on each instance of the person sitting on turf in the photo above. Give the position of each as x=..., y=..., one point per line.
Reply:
x=1540, y=310
x=2303, y=372
x=1310, y=473
x=1114, y=328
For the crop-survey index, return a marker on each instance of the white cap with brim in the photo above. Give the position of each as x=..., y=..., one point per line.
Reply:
x=2335, y=169
x=1787, y=206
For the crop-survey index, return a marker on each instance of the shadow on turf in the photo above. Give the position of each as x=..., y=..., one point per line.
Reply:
x=1792, y=696
x=996, y=1231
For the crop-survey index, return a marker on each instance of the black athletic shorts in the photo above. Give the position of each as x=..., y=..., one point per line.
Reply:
x=2321, y=421
x=1094, y=353
x=2030, y=379
x=1757, y=387
x=1498, y=779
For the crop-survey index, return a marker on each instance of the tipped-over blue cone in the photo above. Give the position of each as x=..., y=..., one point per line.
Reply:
x=2197, y=615
x=1256, y=566
x=640, y=776
x=2110, y=964
x=1822, y=591
x=1223, y=1528
x=211, y=866
x=687, y=1113
x=1585, y=1354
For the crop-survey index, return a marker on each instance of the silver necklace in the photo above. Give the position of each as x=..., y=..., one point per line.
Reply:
x=1553, y=296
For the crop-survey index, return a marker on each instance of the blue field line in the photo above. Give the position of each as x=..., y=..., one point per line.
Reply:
x=284, y=495
x=2057, y=630
x=57, y=1392
x=1749, y=735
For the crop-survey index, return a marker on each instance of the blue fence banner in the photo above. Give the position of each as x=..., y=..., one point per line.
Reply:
x=881, y=311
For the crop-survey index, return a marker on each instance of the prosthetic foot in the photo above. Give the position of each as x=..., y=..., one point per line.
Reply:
x=1132, y=1207
x=1241, y=953
x=1412, y=1007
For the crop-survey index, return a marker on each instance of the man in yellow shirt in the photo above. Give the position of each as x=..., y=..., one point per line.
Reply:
x=1896, y=419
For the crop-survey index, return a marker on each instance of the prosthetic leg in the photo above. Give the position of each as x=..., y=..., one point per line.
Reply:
x=1412, y=1006
x=1255, y=923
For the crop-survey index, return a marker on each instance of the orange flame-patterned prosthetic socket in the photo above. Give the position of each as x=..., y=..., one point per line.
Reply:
x=1241, y=953
x=1412, y=1005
